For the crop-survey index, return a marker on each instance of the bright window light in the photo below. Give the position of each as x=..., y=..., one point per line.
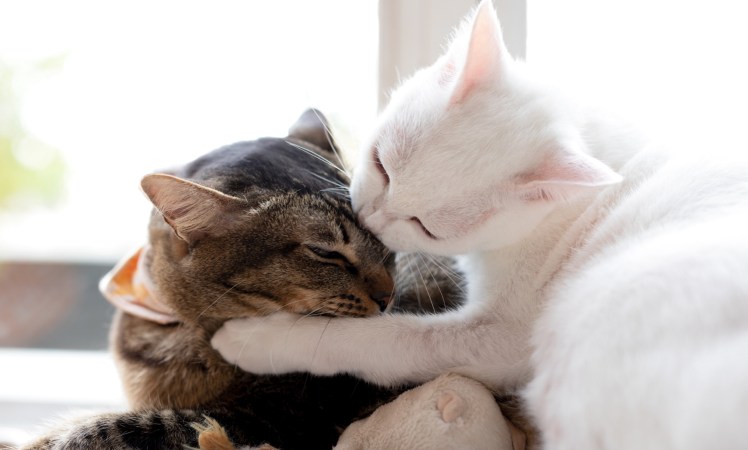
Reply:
x=144, y=85
x=677, y=67
x=94, y=95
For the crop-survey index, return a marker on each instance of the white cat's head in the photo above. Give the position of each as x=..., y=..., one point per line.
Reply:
x=471, y=154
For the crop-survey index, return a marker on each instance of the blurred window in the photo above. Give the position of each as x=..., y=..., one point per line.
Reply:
x=94, y=95
x=676, y=68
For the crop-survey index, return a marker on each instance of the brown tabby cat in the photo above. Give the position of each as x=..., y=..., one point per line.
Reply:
x=249, y=229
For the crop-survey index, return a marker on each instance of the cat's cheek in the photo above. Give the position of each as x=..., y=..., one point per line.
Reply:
x=358, y=197
x=365, y=189
x=399, y=239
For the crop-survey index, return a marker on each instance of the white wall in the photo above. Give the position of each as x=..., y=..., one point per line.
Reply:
x=413, y=33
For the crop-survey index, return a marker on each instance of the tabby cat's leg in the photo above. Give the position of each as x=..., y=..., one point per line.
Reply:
x=165, y=429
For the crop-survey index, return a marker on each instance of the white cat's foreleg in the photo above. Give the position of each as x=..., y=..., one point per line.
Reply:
x=387, y=349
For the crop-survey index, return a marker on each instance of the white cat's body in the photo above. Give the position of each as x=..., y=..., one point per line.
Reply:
x=607, y=276
x=643, y=339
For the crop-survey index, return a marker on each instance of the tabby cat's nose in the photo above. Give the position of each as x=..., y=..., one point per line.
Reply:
x=382, y=299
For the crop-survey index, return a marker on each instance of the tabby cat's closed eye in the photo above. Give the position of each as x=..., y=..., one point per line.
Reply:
x=325, y=253
x=332, y=256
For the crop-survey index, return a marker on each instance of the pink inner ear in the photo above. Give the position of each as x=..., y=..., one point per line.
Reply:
x=561, y=167
x=562, y=174
x=553, y=170
x=484, y=55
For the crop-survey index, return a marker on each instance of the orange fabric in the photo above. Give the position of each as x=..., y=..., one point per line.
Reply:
x=129, y=287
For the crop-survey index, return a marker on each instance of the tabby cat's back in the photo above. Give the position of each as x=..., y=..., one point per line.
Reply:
x=246, y=230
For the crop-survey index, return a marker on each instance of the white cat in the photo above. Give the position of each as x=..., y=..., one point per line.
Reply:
x=609, y=278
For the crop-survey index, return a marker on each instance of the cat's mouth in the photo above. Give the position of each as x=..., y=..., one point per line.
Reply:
x=129, y=287
x=340, y=305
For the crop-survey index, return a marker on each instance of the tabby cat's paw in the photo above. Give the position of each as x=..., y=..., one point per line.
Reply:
x=279, y=343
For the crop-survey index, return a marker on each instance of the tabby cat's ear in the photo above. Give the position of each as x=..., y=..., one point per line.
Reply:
x=192, y=210
x=312, y=127
x=486, y=53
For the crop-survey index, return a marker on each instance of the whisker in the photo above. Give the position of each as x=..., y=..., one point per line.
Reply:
x=337, y=189
x=423, y=280
x=319, y=341
x=340, y=191
x=314, y=312
x=241, y=351
x=217, y=300
x=416, y=290
x=327, y=180
x=392, y=298
x=436, y=283
x=328, y=136
x=315, y=155
x=387, y=253
x=285, y=306
x=448, y=272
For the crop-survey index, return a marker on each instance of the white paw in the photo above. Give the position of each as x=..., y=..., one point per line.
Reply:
x=273, y=344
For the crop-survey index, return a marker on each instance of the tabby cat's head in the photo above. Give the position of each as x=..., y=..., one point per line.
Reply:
x=261, y=226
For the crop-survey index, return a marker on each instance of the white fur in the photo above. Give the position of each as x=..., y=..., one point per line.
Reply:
x=622, y=305
x=450, y=412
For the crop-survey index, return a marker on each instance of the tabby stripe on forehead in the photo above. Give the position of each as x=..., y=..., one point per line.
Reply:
x=345, y=212
x=344, y=232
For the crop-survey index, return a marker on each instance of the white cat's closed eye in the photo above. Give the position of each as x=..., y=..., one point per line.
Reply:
x=423, y=227
x=380, y=167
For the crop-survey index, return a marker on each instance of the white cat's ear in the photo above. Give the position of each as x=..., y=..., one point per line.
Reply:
x=486, y=53
x=192, y=210
x=564, y=174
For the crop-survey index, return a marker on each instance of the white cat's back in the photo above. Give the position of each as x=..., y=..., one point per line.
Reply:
x=654, y=300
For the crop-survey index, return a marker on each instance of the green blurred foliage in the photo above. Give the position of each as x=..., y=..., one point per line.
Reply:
x=31, y=172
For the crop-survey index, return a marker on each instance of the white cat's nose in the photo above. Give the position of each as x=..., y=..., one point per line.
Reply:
x=375, y=221
x=363, y=218
x=364, y=213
